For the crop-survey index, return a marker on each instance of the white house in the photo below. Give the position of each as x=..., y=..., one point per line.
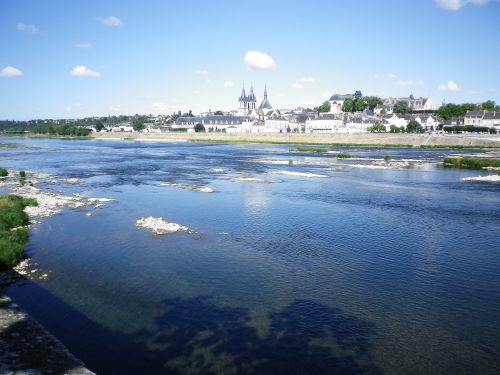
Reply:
x=328, y=123
x=337, y=101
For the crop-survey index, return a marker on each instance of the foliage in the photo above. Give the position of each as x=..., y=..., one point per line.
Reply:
x=3, y=172
x=377, y=128
x=325, y=107
x=394, y=129
x=451, y=110
x=343, y=156
x=358, y=95
x=218, y=113
x=401, y=107
x=387, y=158
x=99, y=126
x=467, y=128
x=414, y=127
x=138, y=125
x=22, y=174
x=372, y=101
x=198, y=128
x=180, y=130
x=348, y=105
x=470, y=163
x=310, y=149
x=488, y=105
x=12, y=241
x=360, y=105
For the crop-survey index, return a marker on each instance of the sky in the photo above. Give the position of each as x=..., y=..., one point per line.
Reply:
x=71, y=59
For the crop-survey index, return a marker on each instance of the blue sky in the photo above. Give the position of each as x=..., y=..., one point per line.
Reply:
x=61, y=59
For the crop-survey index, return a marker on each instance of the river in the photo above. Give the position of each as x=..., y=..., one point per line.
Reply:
x=352, y=266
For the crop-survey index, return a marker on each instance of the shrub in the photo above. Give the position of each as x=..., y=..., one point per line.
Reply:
x=3, y=172
x=469, y=163
x=387, y=158
x=309, y=149
x=22, y=174
x=12, y=241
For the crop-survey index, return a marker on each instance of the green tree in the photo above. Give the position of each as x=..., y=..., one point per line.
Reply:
x=488, y=106
x=198, y=128
x=348, y=105
x=377, y=128
x=414, y=127
x=401, y=107
x=395, y=129
x=99, y=126
x=360, y=105
x=325, y=107
x=138, y=125
x=372, y=101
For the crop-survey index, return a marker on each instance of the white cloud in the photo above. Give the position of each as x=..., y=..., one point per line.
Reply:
x=201, y=72
x=327, y=94
x=377, y=76
x=259, y=60
x=458, y=4
x=68, y=109
x=111, y=21
x=410, y=82
x=10, y=71
x=307, y=80
x=30, y=29
x=228, y=84
x=83, y=45
x=392, y=76
x=297, y=85
x=449, y=87
x=82, y=71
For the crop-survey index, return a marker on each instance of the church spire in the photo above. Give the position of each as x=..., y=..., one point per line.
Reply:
x=251, y=95
x=265, y=102
x=243, y=96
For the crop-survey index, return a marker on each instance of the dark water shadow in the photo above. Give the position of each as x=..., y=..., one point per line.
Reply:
x=196, y=336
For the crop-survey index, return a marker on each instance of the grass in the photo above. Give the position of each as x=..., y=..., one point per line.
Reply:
x=343, y=156
x=309, y=149
x=3, y=172
x=13, y=234
x=470, y=163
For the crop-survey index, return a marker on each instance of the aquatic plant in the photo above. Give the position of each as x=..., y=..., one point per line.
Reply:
x=343, y=156
x=309, y=149
x=22, y=174
x=3, y=172
x=13, y=234
x=470, y=163
x=387, y=158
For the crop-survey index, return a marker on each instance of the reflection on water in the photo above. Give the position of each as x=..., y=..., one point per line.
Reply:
x=390, y=270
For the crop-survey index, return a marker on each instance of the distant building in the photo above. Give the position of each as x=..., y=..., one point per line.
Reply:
x=482, y=118
x=415, y=104
x=337, y=101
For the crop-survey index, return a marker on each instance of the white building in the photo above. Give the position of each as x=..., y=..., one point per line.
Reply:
x=327, y=123
x=337, y=101
x=415, y=104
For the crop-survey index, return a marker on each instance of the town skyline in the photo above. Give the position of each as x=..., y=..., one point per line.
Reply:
x=111, y=59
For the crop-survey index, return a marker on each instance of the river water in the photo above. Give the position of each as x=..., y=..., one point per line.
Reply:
x=357, y=270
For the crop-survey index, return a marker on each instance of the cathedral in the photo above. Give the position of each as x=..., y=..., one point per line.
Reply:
x=247, y=103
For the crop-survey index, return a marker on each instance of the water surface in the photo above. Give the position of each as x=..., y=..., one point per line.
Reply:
x=388, y=270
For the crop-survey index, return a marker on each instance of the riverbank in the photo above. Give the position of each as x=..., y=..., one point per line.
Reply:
x=26, y=346
x=366, y=139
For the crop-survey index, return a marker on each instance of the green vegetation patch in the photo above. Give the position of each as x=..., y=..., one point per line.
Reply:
x=469, y=163
x=3, y=172
x=309, y=149
x=387, y=158
x=343, y=156
x=13, y=234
